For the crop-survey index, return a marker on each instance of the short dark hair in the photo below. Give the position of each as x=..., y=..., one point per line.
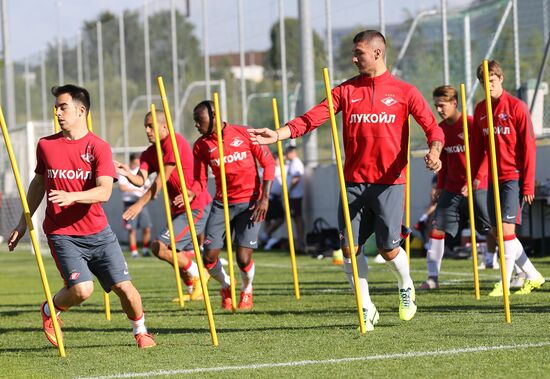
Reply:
x=205, y=104
x=159, y=113
x=368, y=36
x=290, y=148
x=447, y=92
x=494, y=69
x=134, y=156
x=79, y=94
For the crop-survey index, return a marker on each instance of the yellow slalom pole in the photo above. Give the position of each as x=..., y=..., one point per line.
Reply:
x=32, y=234
x=470, y=189
x=228, y=239
x=345, y=206
x=188, y=211
x=55, y=120
x=106, y=299
x=408, y=193
x=287, y=205
x=496, y=192
x=167, y=206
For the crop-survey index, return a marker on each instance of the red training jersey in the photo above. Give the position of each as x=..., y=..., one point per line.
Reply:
x=73, y=166
x=515, y=141
x=149, y=162
x=375, y=114
x=242, y=175
x=452, y=176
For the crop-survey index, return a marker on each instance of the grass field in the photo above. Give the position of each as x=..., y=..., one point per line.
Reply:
x=452, y=335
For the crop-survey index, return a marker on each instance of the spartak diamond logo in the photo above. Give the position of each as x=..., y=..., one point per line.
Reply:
x=236, y=142
x=74, y=275
x=503, y=116
x=87, y=156
x=461, y=136
x=389, y=101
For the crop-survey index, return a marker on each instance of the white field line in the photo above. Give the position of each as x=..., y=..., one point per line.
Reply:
x=412, y=354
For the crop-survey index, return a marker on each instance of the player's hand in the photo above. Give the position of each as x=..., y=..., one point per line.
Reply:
x=61, y=198
x=263, y=136
x=433, y=162
x=132, y=212
x=259, y=210
x=15, y=236
x=464, y=191
x=435, y=195
x=528, y=199
x=121, y=168
x=475, y=184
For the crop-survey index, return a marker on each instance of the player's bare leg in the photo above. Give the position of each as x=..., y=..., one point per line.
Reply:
x=398, y=262
x=369, y=310
x=130, y=300
x=132, y=242
x=215, y=268
x=247, y=267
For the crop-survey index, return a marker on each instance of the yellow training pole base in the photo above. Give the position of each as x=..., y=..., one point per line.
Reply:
x=496, y=191
x=107, y=302
x=288, y=218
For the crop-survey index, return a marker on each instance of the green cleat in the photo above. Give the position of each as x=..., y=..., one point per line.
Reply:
x=497, y=290
x=407, y=304
x=370, y=317
x=530, y=285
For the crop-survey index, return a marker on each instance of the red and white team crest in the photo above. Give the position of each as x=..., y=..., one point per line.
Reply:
x=389, y=101
x=236, y=142
x=87, y=156
x=460, y=135
x=503, y=116
x=74, y=275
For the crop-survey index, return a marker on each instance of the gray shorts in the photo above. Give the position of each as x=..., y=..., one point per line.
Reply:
x=78, y=257
x=142, y=221
x=181, y=229
x=245, y=230
x=373, y=208
x=511, y=202
x=452, y=212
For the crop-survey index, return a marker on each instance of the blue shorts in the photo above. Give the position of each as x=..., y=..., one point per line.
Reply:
x=452, y=212
x=373, y=208
x=245, y=230
x=180, y=224
x=78, y=257
x=511, y=202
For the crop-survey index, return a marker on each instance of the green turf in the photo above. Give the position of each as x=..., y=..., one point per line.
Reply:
x=321, y=326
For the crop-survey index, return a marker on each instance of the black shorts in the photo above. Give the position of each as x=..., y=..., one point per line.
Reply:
x=296, y=207
x=452, y=212
x=511, y=202
x=78, y=257
x=275, y=210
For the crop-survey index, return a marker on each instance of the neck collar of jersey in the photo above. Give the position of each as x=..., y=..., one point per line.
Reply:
x=376, y=79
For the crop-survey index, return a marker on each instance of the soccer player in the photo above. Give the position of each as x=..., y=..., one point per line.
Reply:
x=375, y=106
x=515, y=147
x=295, y=173
x=200, y=206
x=75, y=170
x=275, y=215
x=452, y=202
x=131, y=194
x=247, y=195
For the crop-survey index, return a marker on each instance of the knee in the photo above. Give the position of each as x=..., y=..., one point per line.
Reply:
x=156, y=247
x=209, y=257
x=437, y=233
x=123, y=289
x=82, y=291
x=390, y=254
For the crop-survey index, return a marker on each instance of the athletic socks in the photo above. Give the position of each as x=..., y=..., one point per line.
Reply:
x=435, y=255
x=192, y=269
x=138, y=325
x=217, y=272
x=521, y=260
x=47, y=309
x=362, y=271
x=400, y=268
x=247, y=275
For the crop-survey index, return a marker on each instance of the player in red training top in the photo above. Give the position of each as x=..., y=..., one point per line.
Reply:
x=247, y=194
x=515, y=146
x=200, y=206
x=75, y=169
x=375, y=106
x=452, y=204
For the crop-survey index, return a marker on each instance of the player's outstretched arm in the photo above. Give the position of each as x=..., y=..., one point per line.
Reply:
x=266, y=136
x=137, y=180
x=432, y=158
x=35, y=195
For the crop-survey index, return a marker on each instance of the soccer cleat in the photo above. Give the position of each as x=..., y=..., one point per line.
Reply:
x=530, y=285
x=47, y=324
x=518, y=280
x=144, y=340
x=407, y=303
x=246, y=300
x=226, y=298
x=429, y=284
x=134, y=254
x=370, y=317
x=497, y=290
x=337, y=257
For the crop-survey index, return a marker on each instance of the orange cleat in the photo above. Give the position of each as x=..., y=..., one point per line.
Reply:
x=47, y=324
x=144, y=340
x=246, y=300
x=226, y=298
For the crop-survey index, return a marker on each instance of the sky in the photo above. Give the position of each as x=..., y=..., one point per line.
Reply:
x=35, y=23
